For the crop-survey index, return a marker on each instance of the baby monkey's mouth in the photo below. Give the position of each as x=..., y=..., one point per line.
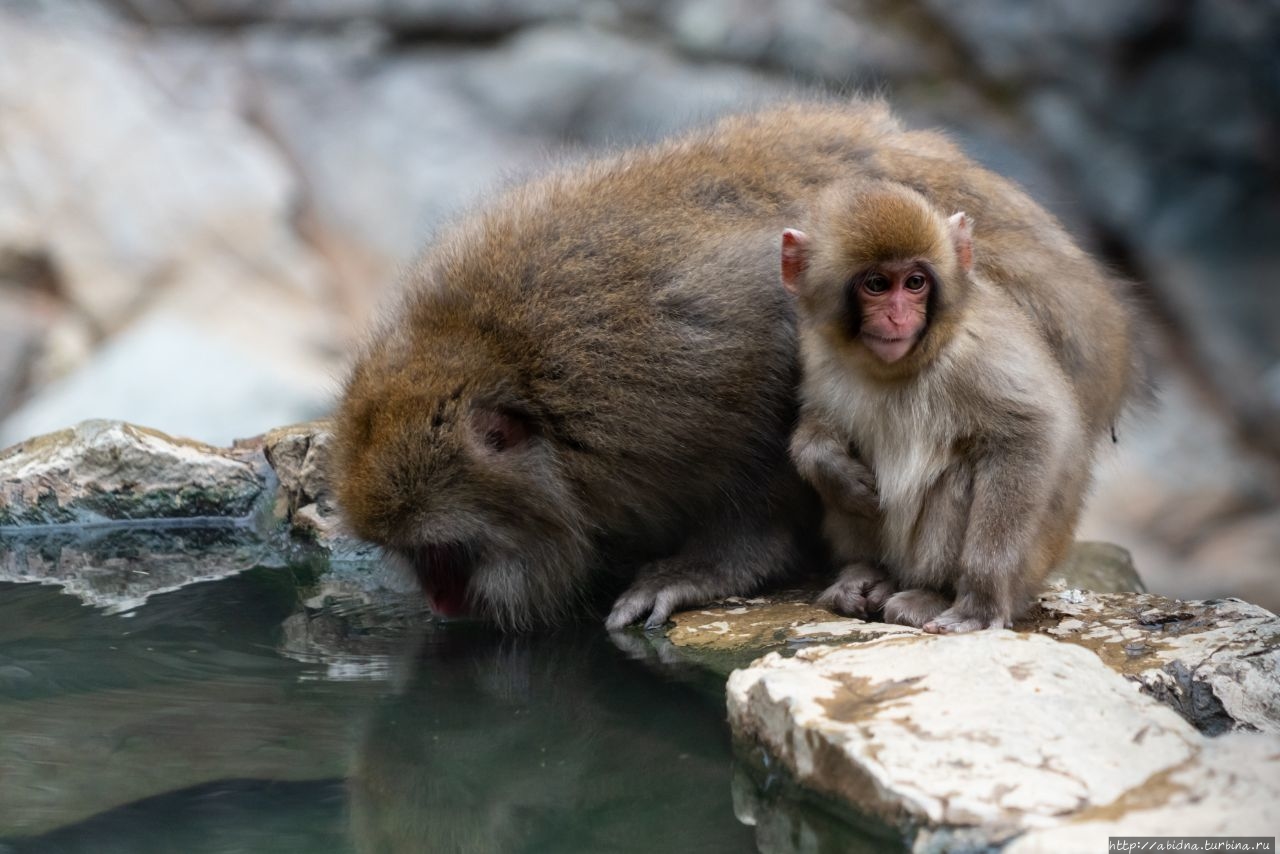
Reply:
x=444, y=571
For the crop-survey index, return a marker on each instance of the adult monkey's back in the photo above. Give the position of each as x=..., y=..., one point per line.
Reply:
x=595, y=375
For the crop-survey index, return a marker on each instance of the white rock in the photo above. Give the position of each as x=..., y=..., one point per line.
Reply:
x=1231, y=788
x=994, y=732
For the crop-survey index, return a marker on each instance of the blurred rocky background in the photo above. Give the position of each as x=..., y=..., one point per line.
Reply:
x=203, y=201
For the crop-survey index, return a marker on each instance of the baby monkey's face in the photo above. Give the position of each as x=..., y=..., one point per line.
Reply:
x=893, y=299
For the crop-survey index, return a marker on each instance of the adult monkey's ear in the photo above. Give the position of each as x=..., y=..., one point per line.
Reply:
x=795, y=259
x=960, y=228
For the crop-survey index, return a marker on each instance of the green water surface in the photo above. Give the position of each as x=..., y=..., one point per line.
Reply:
x=249, y=714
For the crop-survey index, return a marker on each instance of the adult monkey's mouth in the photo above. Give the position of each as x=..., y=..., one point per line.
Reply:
x=444, y=571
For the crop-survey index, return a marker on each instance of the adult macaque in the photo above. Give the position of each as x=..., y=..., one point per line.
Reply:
x=590, y=384
x=953, y=395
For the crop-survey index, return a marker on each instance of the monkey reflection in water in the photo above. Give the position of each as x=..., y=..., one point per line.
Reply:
x=542, y=743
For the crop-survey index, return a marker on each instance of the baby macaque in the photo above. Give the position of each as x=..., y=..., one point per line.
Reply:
x=948, y=419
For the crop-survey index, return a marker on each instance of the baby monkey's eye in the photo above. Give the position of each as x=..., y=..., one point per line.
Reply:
x=875, y=284
x=916, y=282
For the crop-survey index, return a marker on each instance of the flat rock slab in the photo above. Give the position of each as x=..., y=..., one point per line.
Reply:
x=1216, y=663
x=763, y=622
x=985, y=736
x=104, y=471
x=1230, y=788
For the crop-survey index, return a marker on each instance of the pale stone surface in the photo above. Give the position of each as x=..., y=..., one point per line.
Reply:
x=110, y=471
x=1216, y=662
x=790, y=617
x=990, y=735
x=1232, y=788
x=903, y=728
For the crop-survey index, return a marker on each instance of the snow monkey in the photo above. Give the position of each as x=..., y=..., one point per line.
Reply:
x=587, y=391
x=958, y=375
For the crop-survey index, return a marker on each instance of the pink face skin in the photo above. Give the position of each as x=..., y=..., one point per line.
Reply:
x=894, y=300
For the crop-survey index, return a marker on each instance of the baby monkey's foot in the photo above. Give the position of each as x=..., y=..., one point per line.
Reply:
x=915, y=607
x=957, y=619
x=860, y=589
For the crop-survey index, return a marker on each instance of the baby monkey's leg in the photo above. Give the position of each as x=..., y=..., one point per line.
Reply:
x=861, y=589
x=915, y=607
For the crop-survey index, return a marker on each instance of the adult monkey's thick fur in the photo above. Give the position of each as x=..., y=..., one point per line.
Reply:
x=599, y=368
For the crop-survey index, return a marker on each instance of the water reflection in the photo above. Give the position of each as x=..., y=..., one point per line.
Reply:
x=117, y=568
x=260, y=712
x=550, y=743
x=224, y=816
x=109, y=718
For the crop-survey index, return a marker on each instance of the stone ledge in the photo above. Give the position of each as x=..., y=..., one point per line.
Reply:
x=973, y=740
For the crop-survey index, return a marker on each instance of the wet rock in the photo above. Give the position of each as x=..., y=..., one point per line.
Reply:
x=762, y=623
x=103, y=471
x=1217, y=662
x=972, y=740
x=299, y=454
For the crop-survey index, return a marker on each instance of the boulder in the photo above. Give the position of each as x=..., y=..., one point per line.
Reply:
x=1216, y=662
x=972, y=740
x=101, y=471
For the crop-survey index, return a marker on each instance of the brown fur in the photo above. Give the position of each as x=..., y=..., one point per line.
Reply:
x=981, y=439
x=627, y=312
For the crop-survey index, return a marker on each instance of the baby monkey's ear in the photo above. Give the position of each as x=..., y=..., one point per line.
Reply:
x=961, y=229
x=795, y=259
